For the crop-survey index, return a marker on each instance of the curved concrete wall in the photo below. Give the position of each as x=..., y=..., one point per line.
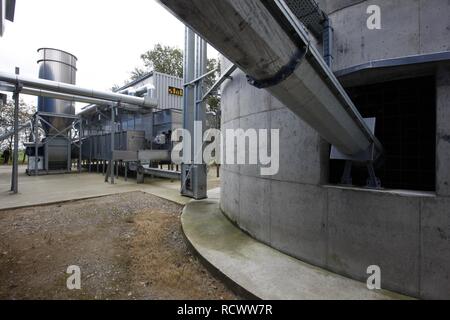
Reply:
x=344, y=230
x=409, y=27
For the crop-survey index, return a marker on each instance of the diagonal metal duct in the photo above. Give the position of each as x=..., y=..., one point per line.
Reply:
x=249, y=35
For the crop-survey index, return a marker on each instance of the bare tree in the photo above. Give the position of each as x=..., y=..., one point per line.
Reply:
x=7, y=122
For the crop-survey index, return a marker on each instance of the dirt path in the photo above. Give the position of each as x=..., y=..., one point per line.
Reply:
x=128, y=246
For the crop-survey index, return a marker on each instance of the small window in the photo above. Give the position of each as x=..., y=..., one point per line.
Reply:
x=406, y=126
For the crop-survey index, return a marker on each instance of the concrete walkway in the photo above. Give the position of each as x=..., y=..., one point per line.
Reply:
x=259, y=270
x=50, y=189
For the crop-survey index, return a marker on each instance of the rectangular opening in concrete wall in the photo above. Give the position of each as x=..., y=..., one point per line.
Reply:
x=406, y=126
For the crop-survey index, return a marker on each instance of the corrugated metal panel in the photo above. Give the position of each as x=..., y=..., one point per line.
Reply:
x=162, y=82
x=101, y=144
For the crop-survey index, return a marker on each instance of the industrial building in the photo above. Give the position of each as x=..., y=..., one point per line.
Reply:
x=363, y=115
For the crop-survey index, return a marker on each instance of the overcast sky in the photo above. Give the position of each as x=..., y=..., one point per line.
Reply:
x=107, y=36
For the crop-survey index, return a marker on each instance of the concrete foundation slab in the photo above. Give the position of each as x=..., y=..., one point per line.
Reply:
x=34, y=191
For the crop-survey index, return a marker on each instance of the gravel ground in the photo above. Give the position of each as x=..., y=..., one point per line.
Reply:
x=128, y=246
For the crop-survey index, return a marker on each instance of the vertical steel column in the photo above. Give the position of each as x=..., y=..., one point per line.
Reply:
x=113, y=133
x=80, y=137
x=193, y=171
x=69, y=151
x=36, y=147
x=91, y=145
x=45, y=165
x=200, y=106
x=188, y=111
x=189, y=94
x=15, y=169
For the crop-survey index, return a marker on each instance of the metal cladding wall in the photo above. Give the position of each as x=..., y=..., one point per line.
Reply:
x=166, y=100
x=346, y=230
x=162, y=83
x=98, y=147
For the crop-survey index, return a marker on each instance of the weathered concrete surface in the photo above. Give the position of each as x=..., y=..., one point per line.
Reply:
x=258, y=220
x=260, y=270
x=60, y=188
x=295, y=230
x=435, y=248
x=304, y=144
x=409, y=27
x=443, y=131
x=375, y=229
x=342, y=229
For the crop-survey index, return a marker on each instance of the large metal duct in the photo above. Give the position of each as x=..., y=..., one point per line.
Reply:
x=60, y=66
x=253, y=35
x=74, y=93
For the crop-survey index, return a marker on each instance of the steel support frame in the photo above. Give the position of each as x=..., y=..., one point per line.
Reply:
x=194, y=170
x=65, y=133
x=110, y=171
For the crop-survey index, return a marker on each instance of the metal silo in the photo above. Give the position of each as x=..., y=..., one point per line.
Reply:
x=60, y=66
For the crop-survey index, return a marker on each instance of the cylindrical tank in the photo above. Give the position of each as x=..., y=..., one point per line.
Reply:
x=60, y=66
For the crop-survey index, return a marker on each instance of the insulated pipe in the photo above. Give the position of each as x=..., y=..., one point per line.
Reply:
x=66, y=97
x=137, y=92
x=247, y=33
x=69, y=89
x=50, y=94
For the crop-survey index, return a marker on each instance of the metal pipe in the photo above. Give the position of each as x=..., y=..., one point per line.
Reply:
x=263, y=49
x=137, y=92
x=69, y=89
x=160, y=173
x=66, y=97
